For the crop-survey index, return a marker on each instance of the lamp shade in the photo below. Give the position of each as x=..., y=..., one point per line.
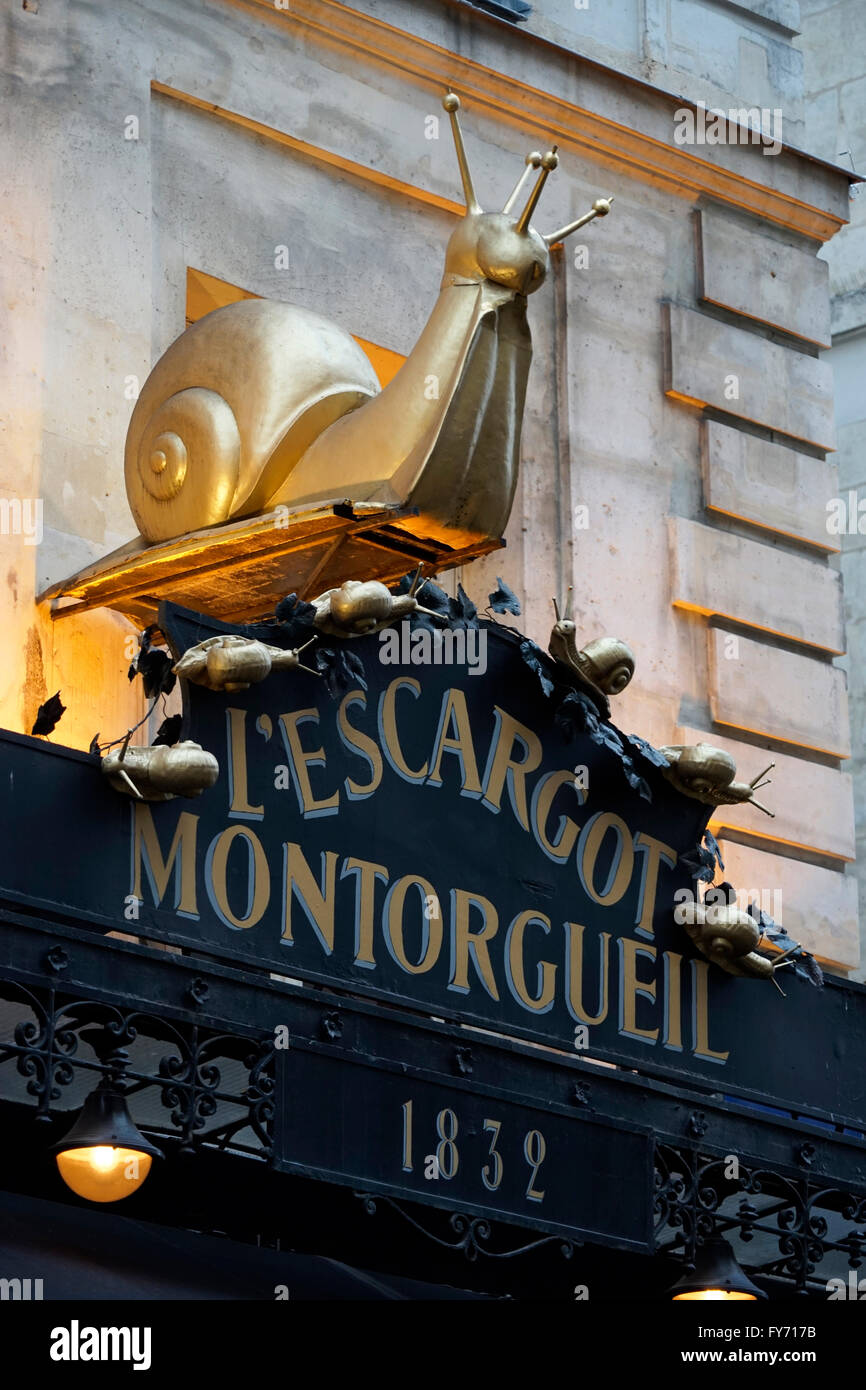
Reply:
x=716, y=1277
x=104, y=1157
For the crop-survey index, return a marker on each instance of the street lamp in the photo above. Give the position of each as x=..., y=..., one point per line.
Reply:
x=104, y=1157
x=716, y=1276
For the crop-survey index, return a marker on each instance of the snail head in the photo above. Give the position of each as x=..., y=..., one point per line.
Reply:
x=499, y=246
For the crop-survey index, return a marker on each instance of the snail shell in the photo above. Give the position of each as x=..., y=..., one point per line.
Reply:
x=161, y=773
x=609, y=663
x=231, y=662
x=231, y=407
x=358, y=606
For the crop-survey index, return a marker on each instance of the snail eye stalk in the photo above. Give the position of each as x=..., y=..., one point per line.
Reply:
x=451, y=104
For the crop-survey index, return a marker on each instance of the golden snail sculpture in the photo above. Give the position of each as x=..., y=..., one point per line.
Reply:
x=231, y=662
x=603, y=667
x=359, y=607
x=707, y=774
x=161, y=773
x=263, y=404
x=728, y=938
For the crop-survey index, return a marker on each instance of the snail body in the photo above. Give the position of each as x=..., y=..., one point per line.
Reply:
x=707, y=774
x=161, y=773
x=359, y=607
x=603, y=667
x=230, y=662
x=262, y=404
x=726, y=936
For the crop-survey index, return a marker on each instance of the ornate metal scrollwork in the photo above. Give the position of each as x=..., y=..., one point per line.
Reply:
x=179, y=1067
x=794, y=1224
x=472, y=1234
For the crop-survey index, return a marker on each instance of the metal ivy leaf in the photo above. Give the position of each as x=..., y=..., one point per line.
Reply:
x=806, y=966
x=145, y=639
x=168, y=732
x=154, y=667
x=606, y=737
x=712, y=845
x=356, y=666
x=48, y=716
x=576, y=713
x=651, y=754
x=94, y=745
x=702, y=862
x=461, y=610
x=634, y=779
x=804, y=963
x=502, y=600
x=297, y=617
x=341, y=670
x=533, y=656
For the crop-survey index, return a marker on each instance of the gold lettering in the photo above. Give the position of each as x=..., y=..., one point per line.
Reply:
x=183, y=849
x=673, y=1037
x=654, y=851
x=620, y=872
x=301, y=760
x=541, y=804
x=700, y=988
x=318, y=902
x=631, y=987
x=575, y=974
x=515, y=963
x=260, y=886
x=464, y=941
x=454, y=710
x=366, y=746
x=432, y=933
x=502, y=767
x=237, y=719
x=364, y=905
x=388, y=723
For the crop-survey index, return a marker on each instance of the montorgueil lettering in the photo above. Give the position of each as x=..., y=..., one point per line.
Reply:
x=265, y=879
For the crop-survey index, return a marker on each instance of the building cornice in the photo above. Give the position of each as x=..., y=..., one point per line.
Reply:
x=795, y=191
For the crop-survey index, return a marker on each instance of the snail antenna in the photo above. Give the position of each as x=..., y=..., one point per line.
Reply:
x=549, y=162
x=600, y=208
x=556, y=609
x=756, y=781
x=568, y=615
x=451, y=103
x=771, y=814
x=416, y=580
x=533, y=161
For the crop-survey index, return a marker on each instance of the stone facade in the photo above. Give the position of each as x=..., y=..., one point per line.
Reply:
x=679, y=425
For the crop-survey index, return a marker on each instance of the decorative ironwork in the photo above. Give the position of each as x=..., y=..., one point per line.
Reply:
x=160, y=1065
x=209, y=1088
x=794, y=1227
x=472, y=1234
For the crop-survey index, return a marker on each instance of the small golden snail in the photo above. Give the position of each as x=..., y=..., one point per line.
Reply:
x=262, y=404
x=604, y=666
x=707, y=774
x=231, y=662
x=161, y=773
x=728, y=937
x=359, y=607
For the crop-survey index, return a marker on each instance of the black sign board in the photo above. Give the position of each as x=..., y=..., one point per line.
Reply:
x=432, y=837
x=399, y=1131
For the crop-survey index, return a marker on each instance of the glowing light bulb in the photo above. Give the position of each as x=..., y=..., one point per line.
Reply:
x=104, y=1157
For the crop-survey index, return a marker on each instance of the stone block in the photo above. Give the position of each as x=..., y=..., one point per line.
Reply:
x=717, y=572
x=709, y=363
x=778, y=694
